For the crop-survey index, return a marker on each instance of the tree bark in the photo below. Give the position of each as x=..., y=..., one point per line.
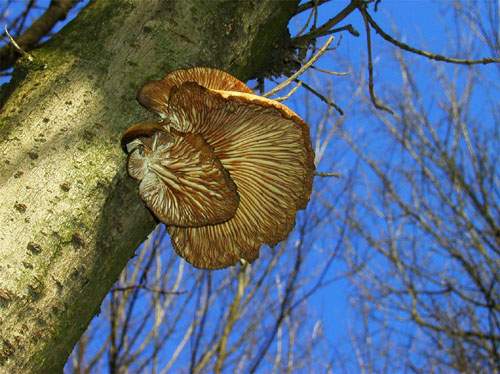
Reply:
x=70, y=218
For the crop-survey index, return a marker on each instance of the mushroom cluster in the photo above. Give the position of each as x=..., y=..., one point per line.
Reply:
x=225, y=170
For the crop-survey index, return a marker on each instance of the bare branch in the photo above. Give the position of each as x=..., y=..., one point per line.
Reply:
x=322, y=97
x=326, y=28
x=349, y=28
x=331, y=72
x=327, y=174
x=310, y=4
x=376, y=102
x=302, y=69
x=56, y=11
x=432, y=56
x=146, y=288
x=287, y=96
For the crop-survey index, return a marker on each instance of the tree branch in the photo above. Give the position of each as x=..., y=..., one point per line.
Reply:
x=146, y=288
x=421, y=52
x=57, y=10
x=326, y=28
x=376, y=102
x=303, y=7
x=321, y=97
x=327, y=174
x=304, y=67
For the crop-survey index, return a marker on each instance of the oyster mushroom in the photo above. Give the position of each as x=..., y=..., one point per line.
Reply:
x=181, y=181
x=261, y=162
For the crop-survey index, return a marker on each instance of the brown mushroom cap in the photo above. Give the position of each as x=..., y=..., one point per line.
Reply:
x=139, y=130
x=261, y=145
x=154, y=94
x=181, y=181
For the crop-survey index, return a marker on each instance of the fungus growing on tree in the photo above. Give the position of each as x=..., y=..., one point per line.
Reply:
x=225, y=170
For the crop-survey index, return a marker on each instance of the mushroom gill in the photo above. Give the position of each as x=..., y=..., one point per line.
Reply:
x=255, y=144
x=181, y=181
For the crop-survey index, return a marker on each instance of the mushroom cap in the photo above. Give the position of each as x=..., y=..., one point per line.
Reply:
x=263, y=148
x=266, y=149
x=154, y=94
x=139, y=130
x=181, y=181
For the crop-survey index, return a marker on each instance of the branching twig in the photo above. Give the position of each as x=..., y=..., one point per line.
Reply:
x=56, y=11
x=376, y=102
x=421, y=52
x=308, y=21
x=309, y=5
x=322, y=97
x=303, y=68
x=326, y=28
x=349, y=28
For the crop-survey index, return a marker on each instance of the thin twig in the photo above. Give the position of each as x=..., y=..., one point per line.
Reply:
x=20, y=21
x=421, y=52
x=322, y=97
x=306, y=24
x=309, y=5
x=376, y=102
x=331, y=72
x=303, y=68
x=146, y=288
x=349, y=28
x=327, y=174
x=325, y=29
x=287, y=96
x=16, y=46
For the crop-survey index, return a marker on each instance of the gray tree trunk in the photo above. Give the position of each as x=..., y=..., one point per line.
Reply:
x=70, y=218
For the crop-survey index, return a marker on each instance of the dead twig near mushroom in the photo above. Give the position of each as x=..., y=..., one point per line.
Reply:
x=303, y=68
x=287, y=96
x=331, y=72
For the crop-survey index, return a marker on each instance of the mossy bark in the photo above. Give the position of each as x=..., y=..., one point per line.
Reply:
x=70, y=218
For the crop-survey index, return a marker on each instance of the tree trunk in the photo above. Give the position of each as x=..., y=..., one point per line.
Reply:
x=70, y=218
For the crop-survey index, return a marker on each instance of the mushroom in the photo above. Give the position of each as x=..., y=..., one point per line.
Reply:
x=181, y=181
x=225, y=170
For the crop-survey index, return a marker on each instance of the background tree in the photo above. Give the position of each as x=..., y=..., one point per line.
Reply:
x=368, y=226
